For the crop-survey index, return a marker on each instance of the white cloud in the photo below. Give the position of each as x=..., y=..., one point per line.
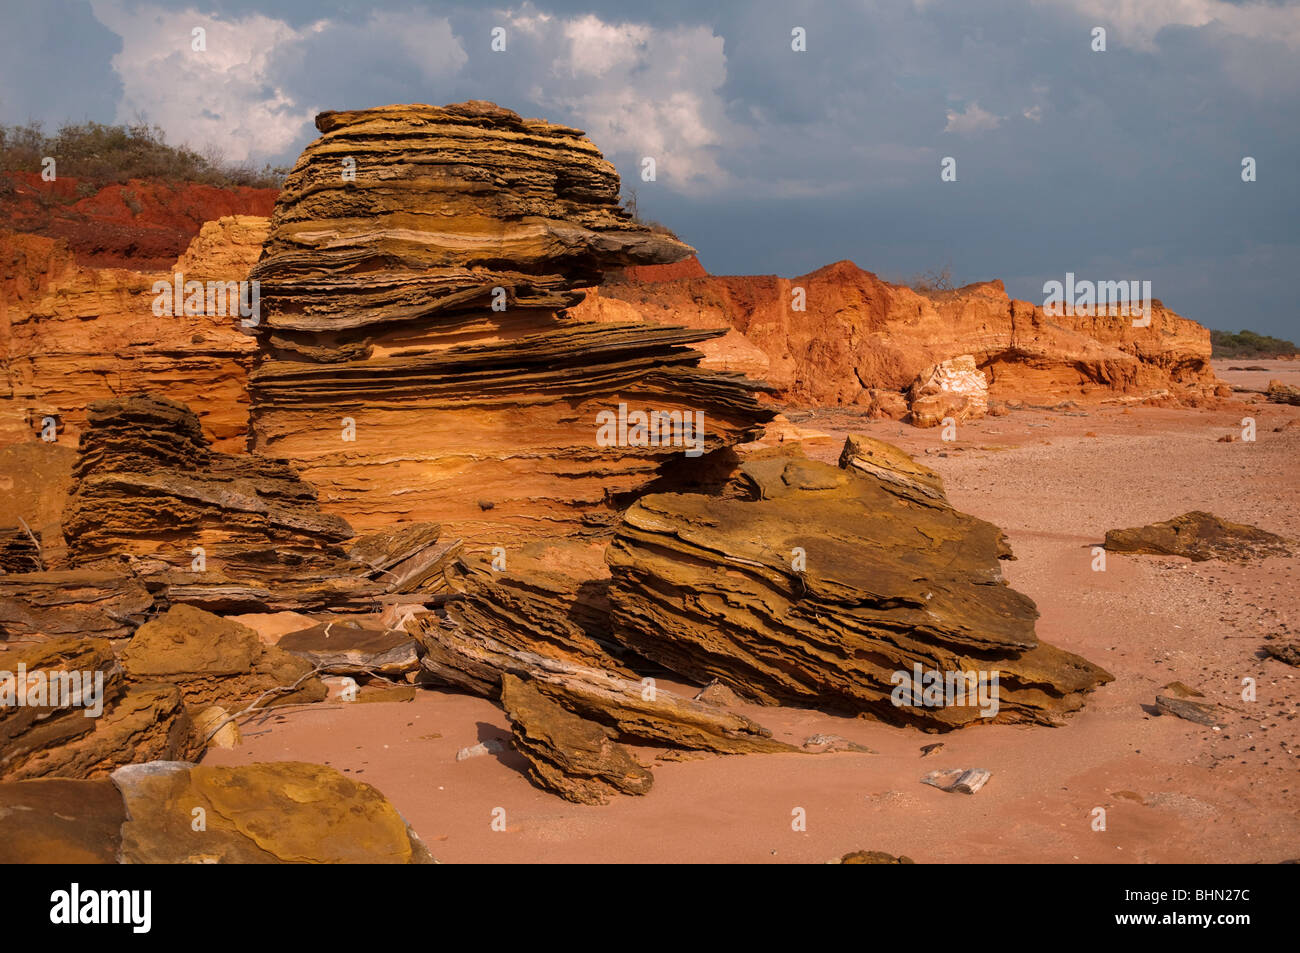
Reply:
x=639, y=91
x=1033, y=113
x=971, y=120
x=1137, y=22
x=224, y=96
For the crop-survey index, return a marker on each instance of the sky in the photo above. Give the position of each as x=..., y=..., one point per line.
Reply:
x=1122, y=163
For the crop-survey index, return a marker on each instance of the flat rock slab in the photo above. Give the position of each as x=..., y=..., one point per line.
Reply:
x=348, y=647
x=272, y=813
x=1199, y=712
x=60, y=821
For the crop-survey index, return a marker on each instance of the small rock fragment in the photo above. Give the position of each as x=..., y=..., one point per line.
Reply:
x=958, y=780
x=490, y=746
x=1198, y=712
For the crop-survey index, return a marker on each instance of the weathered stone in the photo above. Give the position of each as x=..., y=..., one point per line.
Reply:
x=269, y=813
x=217, y=661
x=1288, y=652
x=52, y=693
x=953, y=389
x=892, y=466
x=345, y=646
x=1200, y=712
x=811, y=585
x=1198, y=536
x=148, y=722
x=873, y=857
x=568, y=755
x=39, y=605
x=637, y=710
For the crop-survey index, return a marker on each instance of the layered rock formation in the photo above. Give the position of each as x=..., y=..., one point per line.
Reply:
x=415, y=361
x=230, y=532
x=571, y=756
x=71, y=335
x=68, y=711
x=832, y=587
x=864, y=341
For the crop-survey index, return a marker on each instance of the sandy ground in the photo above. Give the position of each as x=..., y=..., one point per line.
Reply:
x=1055, y=482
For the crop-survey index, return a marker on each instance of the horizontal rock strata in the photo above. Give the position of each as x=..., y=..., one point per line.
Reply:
x=415, y=362
x=38, y=605
x=814, y=585
x=233, y=533
x=864, y=341
x=71, y=335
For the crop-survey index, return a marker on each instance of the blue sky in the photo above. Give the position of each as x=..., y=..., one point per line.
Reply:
x=1122, y=164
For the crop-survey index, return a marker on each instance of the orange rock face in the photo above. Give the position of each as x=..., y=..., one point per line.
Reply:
x=72, y=334
x=864, y=341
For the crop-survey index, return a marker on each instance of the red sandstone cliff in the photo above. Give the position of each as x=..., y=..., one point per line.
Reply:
x=865, y=341
x=142, y=224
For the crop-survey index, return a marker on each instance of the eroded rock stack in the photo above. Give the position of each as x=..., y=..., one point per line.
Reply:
x=815, y=585
x=415, y=360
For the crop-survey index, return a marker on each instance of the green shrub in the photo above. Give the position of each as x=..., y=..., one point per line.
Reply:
x=104, y=155
x=1248, y=344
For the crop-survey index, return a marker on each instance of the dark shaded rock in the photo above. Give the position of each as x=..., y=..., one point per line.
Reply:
x=38, y=605
x=1288, y=652
x=1198, y=536
x=1199, y=712
x=874, y=857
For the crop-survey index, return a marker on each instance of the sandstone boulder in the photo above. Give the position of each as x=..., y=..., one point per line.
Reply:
x=954, y=389
x=215, y=661
x=825, y=587
x=283, y=812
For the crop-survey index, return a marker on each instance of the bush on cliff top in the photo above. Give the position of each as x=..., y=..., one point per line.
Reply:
x=1248, y=344
x=105, y=155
